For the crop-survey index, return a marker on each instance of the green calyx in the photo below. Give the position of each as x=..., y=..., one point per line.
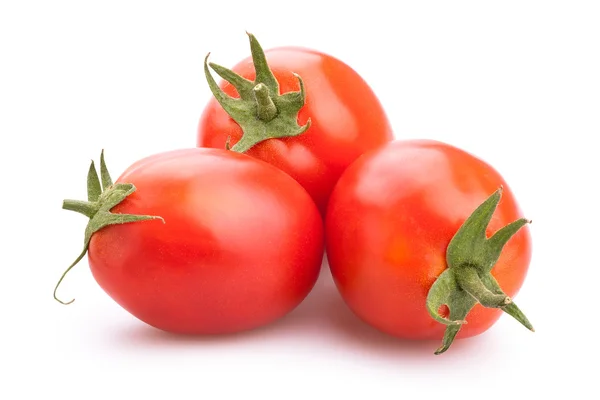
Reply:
x=102, y=197
x=468, y=280
x=261, y=111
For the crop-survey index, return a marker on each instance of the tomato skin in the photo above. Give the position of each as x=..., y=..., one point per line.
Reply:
x=241, y=245
x=347, y=119
x=389, y=222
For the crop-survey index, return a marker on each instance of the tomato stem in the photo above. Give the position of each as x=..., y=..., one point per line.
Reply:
x=102, y=197
x=265, y=107
x=261, y=111
x=83, y=207
x=468, y=280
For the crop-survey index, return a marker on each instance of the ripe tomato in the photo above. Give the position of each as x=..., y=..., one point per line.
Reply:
x=389, y=223
x=346, y=118
x=241, y=244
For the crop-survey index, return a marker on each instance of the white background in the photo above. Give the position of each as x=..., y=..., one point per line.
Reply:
x=515, y=82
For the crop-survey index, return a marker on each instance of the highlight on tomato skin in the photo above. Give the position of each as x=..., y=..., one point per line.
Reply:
x=389, y=225
x=315, y=117
x=226, y=242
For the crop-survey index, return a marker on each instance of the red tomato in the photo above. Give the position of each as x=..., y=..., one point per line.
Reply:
x=389, y=223
x=346, y=117
x=241, y=244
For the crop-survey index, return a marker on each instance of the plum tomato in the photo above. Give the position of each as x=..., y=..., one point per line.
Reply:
x=202, y=241
x=302, y=110
x=417, y=238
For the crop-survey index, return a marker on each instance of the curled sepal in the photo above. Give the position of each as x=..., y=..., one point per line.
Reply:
x=444, y=292
x=102, y=198
x=261, y=111
x=470, y=257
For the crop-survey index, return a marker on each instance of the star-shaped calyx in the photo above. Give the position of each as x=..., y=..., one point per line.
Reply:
x=468, y=280
x=261, y=111
x=102, y=197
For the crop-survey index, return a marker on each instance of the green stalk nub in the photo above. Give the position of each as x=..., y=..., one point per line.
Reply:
x=260, y=111
x=468, y=280
x=102, y=197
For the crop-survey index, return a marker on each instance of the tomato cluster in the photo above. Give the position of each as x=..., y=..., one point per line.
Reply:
x=295, y=155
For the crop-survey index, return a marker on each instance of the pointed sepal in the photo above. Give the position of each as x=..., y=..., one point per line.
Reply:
x=470, y=257
x=101, y=199
x=94, y=190
x=106, y=179
x=261, y=111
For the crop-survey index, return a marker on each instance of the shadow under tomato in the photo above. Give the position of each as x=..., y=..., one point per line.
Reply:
x=322, y=316
x=325, y=314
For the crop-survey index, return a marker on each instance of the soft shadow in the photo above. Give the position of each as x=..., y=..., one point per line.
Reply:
x=141, y=334
x=145, y=334
x=325, y=314
x=322, y=316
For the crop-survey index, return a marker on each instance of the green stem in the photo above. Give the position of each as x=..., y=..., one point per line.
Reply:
x=468, y=279
x=261, y=111
x=83, y=207
x=102, y=198
x=265, y=108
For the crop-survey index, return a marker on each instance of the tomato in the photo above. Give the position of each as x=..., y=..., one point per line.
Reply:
x=389, y=224
x=346, y=118
x=241, y=244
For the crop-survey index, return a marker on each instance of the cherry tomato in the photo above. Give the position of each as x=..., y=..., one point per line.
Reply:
x=346, y=118
x=389, y=223
x=241, y=244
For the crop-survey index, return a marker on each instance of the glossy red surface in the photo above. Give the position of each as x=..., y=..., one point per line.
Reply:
x=388, y=225
x=241, y=245
x=347, y=119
